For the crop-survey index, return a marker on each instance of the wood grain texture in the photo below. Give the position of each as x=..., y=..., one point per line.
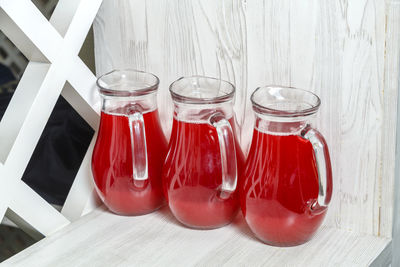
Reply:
x=174, y=39
x=392, y=70
x=157, y=239
x=345, y=51
x=391, y=184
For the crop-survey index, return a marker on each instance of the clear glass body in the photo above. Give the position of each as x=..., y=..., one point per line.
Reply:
x=204, y=158
x=130, y=147
x=287, y=183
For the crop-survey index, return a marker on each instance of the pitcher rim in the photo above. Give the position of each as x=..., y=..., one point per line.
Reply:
x=126, y=93
x=259, y=108
x=195, y=100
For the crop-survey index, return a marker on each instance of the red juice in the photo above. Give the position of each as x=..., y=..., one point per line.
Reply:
x=192, y=177
x=112, y=165
x=279, y=185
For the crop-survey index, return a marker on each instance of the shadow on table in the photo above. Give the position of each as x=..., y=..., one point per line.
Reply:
x=238, y=223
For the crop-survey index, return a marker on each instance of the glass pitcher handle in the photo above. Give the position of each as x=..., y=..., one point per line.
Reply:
x=324, y=168
x=138, y=145
x=228, y=153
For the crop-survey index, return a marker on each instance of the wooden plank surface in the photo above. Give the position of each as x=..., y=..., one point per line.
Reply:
x=345, y=51
x=104, y=239
x=392, y=81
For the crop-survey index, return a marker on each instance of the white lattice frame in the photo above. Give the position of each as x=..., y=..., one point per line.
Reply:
x=52, y=48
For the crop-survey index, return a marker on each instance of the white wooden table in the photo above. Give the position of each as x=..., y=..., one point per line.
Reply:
x=104, y=239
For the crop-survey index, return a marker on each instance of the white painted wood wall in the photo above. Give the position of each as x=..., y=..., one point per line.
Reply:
x=345, y=51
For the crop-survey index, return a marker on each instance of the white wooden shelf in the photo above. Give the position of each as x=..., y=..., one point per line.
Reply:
x=104, y=239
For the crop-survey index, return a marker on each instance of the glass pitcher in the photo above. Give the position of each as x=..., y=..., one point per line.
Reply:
x=204, y=159
x=287, y=182
x=130, y=147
